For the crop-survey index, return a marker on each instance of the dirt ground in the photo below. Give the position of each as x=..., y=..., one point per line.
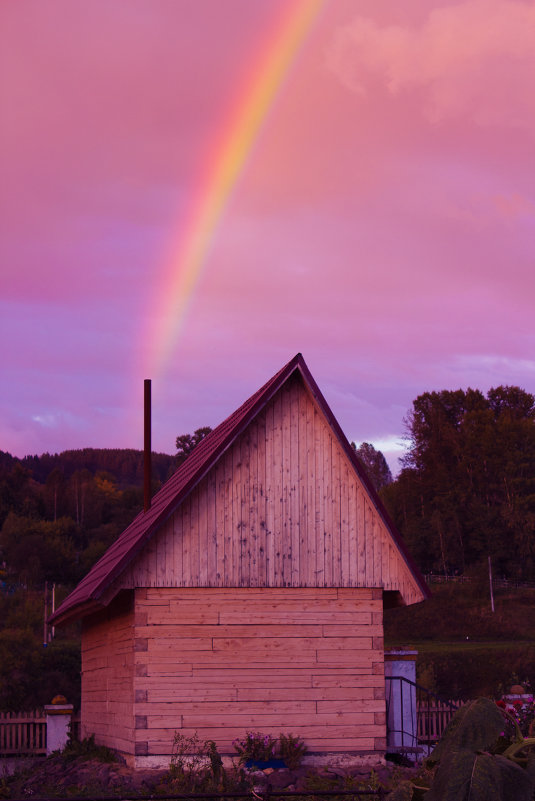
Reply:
x=59, y=777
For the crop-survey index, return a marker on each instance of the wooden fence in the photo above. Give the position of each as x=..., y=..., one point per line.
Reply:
x=22, y=733
x=436, y=578
x=433, y=717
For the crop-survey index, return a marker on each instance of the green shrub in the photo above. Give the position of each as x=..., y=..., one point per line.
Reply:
x=257, y=746
x=263, y=748
x=87, y=749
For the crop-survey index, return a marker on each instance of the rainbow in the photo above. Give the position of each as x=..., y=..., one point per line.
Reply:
x=232, y=151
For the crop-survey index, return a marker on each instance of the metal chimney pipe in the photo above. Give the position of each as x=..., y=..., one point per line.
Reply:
x=147, y=469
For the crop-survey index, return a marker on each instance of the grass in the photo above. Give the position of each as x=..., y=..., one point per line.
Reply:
x=467, y=647
x=464, y=649
x=457, y=611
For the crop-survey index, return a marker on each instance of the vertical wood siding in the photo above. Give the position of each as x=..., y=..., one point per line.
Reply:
x=283, y=507
x=107, y=675
x=219, y=662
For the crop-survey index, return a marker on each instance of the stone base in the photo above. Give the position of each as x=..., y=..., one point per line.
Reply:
x=354, y=759
x=345, y=759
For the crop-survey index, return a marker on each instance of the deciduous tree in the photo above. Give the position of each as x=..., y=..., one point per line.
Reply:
x=185, y=443
x=467, y=488
x=375, y=464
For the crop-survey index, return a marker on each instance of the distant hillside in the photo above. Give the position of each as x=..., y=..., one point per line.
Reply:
x=59, y=513
x=124, y=464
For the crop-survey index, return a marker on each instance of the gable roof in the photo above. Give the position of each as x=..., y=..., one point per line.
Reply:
x=87, y=597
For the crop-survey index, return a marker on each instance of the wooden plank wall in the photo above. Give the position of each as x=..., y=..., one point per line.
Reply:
x=282, y=508
x=219, y=662
x=107, y=675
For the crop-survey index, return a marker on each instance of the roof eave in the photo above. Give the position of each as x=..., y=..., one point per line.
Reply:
x=74, y=613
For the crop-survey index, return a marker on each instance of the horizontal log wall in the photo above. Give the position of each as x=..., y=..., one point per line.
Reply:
x=217, y=663
x=107, y=675
x=283, y=507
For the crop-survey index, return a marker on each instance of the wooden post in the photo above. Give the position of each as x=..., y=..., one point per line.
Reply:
x=52, y=632
x=147, y=444
x=45, y=627
x=490, y=583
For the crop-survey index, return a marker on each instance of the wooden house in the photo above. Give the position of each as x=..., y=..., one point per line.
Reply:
x=250, y=595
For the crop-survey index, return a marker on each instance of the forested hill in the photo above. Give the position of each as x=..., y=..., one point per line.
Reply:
x=58, y=513
x=124, y=464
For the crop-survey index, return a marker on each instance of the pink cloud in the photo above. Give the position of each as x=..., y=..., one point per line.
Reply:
x=473, y=59
x=514, y=206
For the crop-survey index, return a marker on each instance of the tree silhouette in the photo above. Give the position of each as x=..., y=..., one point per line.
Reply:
x=185, y=443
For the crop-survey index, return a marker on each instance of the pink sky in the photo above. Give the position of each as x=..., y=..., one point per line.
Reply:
x=383, y=225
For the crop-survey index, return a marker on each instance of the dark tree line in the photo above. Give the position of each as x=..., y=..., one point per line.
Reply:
x=58, y=514
x=467, y=487
x=124, y=464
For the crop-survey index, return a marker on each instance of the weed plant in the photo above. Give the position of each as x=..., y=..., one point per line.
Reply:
x=292, y=750
x=197, y=767
x=326, y=782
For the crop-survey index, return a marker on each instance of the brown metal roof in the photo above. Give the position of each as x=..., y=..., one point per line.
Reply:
x=87, y=596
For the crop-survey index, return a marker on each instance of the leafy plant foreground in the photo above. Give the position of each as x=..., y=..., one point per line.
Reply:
x=482, y=756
